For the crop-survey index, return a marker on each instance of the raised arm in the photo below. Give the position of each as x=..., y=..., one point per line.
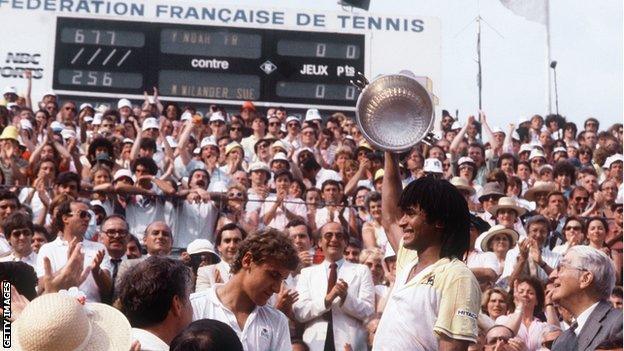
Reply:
x=460, y=136
x=390, y=211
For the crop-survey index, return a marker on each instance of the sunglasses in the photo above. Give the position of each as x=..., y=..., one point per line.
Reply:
x=82, y=214
x=274, y=124
x=69, y=109
x=293, y=125
x=580, y=198
x=19, y=232
x=573, y=227
x=235, y=129
x=236, y=195
x=585, y=152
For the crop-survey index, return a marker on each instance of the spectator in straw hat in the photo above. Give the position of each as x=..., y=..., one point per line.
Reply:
x=538, y=193
x=507, y=212
x=60, y=321
x=483, y=265
x=498, y=240
x=489, y=197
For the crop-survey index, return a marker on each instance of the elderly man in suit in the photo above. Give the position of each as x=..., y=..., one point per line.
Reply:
x=334, y=296
x=583, y=281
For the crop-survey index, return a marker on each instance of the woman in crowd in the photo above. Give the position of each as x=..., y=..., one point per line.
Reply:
x=495, y=303
x=499, y=239
x=234, y=211
x=373, y=234
x=597, y=228
x=574, y=233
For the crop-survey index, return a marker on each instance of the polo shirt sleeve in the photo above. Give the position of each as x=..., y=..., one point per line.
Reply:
x=459, y=305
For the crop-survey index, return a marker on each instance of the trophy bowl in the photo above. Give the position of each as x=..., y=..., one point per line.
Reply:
x=394, y=112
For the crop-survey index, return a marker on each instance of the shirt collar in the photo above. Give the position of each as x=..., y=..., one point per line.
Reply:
x=338, y=263
x=582, y=318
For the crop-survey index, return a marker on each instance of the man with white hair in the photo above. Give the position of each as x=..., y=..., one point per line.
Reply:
x=583, y=281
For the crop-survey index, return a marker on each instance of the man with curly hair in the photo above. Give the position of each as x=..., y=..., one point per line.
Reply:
x=264, y=260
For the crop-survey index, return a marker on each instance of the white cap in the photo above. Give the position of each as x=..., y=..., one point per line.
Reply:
x=49, y=93
x=573, y=144
x=127, y=141
x=433, y=165
x=186, y=116
x=280, y=156
x=150, y=123
x=292, y=118
x=123, y=103
x=208, y=141
x=10, y=105
x=97, y=119
x=9, y=90
x=259, y=166
x=57, y=126
x=216, y=116
x=465, y=159
x=526, y=148
x=497, y=129
x=25, y=124
x=88, y=119
x=172, y=142
x=196, y=151
x=122, y=173
x=536, y=153
x=612, y=159
x=202, y=246
x=68, y=133
x=560, y=149
x=456, y=125
x=85, y=105
x=313, y=115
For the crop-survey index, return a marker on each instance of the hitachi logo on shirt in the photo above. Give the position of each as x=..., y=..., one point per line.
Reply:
x=466, y=313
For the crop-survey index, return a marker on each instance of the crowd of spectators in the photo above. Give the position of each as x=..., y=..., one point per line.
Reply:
x=264, y=230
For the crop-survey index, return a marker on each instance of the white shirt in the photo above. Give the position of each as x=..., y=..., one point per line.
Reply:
x=144, y=211
x=582, y=318
x=5, y=247
x=149, y=341
x=322, y=216
x=30, y=259
x=192, y=221
x=35, y=203
x=551, y=258
x=293, y=204
x=265, y=329
x=483, y=260
x=57, y=250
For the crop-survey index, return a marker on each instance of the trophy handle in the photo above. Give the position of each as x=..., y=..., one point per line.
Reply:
x=361, y=82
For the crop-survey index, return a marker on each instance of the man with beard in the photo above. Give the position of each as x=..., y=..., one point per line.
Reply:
x=196, y=215
x=263, y=262
x=428, y=227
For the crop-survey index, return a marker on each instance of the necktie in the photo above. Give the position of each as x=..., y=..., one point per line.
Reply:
x=115, y=262
x=331, y=282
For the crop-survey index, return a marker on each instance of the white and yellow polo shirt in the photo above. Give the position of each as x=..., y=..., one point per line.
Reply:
x=444, y=298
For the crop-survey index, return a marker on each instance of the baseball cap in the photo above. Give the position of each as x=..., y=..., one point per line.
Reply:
x=123, y=173
x=123, y=103
x=150, y=123
x=313, y=114
x=85, y=105
x=433, y=165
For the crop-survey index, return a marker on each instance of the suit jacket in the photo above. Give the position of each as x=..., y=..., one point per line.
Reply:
x=603, y=327
x=207, y=276
x=347, y=317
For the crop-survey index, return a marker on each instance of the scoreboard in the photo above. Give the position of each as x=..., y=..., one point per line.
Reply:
x=215, y=64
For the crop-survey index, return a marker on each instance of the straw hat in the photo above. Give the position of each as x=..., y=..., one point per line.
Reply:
x=462, y=184
x=60, y=322
x=9, y=132
x=539, y=187
x=497, y=229
x=507, y=202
